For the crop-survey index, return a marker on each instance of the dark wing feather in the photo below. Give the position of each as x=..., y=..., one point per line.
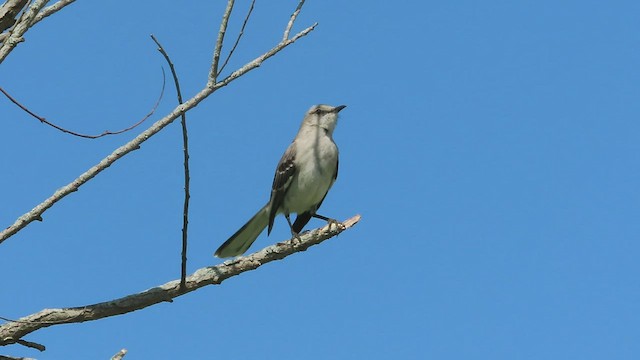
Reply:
x=281, y=181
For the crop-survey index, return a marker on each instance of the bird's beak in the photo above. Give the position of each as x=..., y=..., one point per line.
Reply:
x=338, y=108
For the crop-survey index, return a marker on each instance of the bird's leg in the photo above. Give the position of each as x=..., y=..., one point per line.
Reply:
x=294, y=235
x=328, y=220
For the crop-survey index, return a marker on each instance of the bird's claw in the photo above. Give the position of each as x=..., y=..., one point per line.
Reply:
x=332, y=222
x=295, y=238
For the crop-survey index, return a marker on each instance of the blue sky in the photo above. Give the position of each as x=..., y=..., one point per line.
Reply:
x=491, y=148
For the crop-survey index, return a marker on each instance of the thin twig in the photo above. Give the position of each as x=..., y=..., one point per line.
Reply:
x=105, y=133
x=244, y=24
x=213, y=73
x=185, y=146
x=292, y=20
x=36, y=212
x=12, y=332
x=31, y=344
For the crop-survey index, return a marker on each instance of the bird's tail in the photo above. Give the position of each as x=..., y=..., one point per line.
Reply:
x=239, y=242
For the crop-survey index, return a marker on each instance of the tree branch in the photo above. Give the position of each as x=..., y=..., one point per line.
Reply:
x=119, y=355
x=4, y=357
x=233, y=48
x=86, y=136
x=13, y=331
x=36, y=212
x=20, y=28
x=292, y=20
x=213, y=72
x=8, y=12
x=31, y=344
x=185, y=148
x=49, y=10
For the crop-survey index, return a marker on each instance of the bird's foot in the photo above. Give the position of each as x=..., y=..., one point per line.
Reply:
x=334, y=222
x=295, y=238
x=331, y=222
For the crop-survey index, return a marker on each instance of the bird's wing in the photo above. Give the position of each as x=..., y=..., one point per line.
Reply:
x=281, y=181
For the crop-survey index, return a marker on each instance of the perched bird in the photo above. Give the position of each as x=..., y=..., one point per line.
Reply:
x=303, y=177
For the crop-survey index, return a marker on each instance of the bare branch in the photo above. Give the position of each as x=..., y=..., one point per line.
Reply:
x=4, y=357
x=31, y=344
x=20, y=28
x=12, y=332
x=8, y=12
x=36, y=213
x=105, y=133
x=185, y=146
x=119, y=355
x=244, y=24
x=292, y=20
x=259, y=60
x=49, y=10
x=213, y=73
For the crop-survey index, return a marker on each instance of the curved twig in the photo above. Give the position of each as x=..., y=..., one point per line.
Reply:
x=105, y=133
x=185, y=147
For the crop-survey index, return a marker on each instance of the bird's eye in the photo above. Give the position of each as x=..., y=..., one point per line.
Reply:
x=318, y=111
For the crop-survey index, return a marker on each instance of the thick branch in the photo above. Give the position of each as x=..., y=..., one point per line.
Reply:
x=36, y=213
x=20, y=28
x=49, y=10
x=13, y=331
x=9, y=11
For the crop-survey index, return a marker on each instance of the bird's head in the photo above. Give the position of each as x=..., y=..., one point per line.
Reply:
x=323, y=116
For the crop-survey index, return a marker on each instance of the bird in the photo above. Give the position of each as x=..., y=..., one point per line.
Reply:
x=303, y=177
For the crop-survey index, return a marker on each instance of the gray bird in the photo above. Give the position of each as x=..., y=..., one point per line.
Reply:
x=303, y=178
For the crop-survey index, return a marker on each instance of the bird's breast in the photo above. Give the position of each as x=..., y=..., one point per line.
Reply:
x=317, y=166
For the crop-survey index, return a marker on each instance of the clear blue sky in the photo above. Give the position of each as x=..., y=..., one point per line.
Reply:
x=492, y=148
